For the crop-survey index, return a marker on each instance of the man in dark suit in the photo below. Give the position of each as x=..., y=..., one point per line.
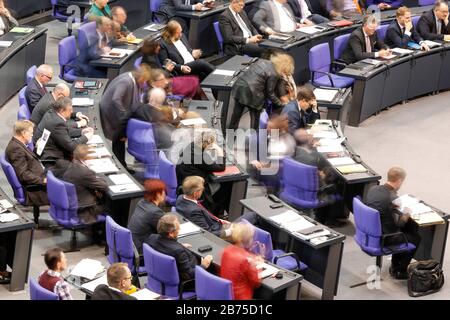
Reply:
x=119, y=282
x=122, y=93
x=401, y=31
x=168, y=9
x=239, y=35
x=302, y=9
x=433, y=24
x=302, y=111
x=380, y=198
x=90, y=187
x=36, y=88
x=59, y=144
x=174, y=46
x=48, y=101
x=26, y=164
x=166, y=242
x=364, y=43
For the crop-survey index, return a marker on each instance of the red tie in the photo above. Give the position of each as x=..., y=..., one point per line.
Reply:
x=212, y=216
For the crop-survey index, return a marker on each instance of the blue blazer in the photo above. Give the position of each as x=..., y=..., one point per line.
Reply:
x=298, y=118
x=395, y=38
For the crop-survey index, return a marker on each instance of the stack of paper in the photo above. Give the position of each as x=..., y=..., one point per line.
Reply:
x=188, y=228
x=122, y=178
x=96, y=139
x=325, y=134
x=428, y=218
x=99, y=152
x=129, y=187
x=402, y=51
x=298, y=225
x=5, y=44
x=87, y=268
x=310, y=29
x=224, y=72
x=91, y=285
x=82, y=102
x=405, y=201
x=6, y=204
x=313, y=234
x=21, y=30
x=101, y=165
x=340, y=161
x=285, y=217
x=330, y=148
x=266, y=270
x=193, y=121
x=432, y=44
x=352, y=168
x=326, y=95
x=117, y=53
x=145, y=294
x=330, y=142
x=8, y=217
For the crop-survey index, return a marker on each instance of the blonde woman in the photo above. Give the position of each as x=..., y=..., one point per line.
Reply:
x=286, y=89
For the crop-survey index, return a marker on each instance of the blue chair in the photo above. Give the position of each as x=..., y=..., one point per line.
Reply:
x=67, y=56
x=23, y=113
x=414, y=20
x=167, y=173
x=320, y=67
x=162, y=274
x=369, y=235
x=142, y=146
x=219, y=36
x=263, y=119
x=39, y=293
x=426, y=2
x=31, y=72
x=22, y=99
x=212, y=287
x=85, y=32
x=137, y=63
x=18, y=189
x=121, y=248
x=64, y=207
x=279, y=257
x=154, y=9
x=381, y=31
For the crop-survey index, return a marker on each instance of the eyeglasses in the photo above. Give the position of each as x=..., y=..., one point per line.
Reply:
x=49, y=77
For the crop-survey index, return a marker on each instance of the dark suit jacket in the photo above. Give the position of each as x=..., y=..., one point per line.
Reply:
x=298, y=118
x=395, y=38
x=169, y=51
x=47, y=103
x=168, y=8
x=85, y=180
x=393, y=3
x=28, y=169
x=144, y=222
x=296, y=9
x=265, y=18
x=196, y=214
x=33, y=93
x=59, y=145
x=356, y=47
x=426, y=26
x=103, y=292
x=233, y=38
x=185, y=259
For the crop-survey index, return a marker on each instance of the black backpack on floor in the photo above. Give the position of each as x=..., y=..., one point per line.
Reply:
x=424, y=277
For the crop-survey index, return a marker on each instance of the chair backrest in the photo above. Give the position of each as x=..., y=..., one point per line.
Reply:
x=154, y=8
x=39, y=293
x=381, y=31
x=22, y=99
x=339, y=44
x=262, y=243
x=141, y=141
x=67, y=54
x=263, y=119
x=368, y=227
x=301, y=182
x=137, y=63
x=162, y=272
x=219, y=36
x=11, y=176
x=31, y=72
x=414, y=20
x=167, y=173
x=120, y=244
x=426, y=2
x=319, y=59
x=23, y=113
x=85, y=32
x=63, y=201
x=211, y=287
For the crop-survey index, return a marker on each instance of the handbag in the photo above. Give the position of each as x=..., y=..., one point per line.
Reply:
x=424, y=277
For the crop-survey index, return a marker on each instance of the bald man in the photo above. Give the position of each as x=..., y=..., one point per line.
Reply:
x=36, y=88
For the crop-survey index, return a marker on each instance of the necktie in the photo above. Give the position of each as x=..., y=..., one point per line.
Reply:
x=368, y=46
x=439, y=26
x=242, y=25
x=187, y=2
x=403, y=31
x=358, y=8
x=210, y=214
x=44, y=90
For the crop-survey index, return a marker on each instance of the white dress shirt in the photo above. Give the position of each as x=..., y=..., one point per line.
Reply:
x=245, y=31
x=187, y=56
x=287, y=24
x=305, y=10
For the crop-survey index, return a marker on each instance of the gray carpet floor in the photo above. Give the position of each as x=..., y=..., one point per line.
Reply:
x=414, y=136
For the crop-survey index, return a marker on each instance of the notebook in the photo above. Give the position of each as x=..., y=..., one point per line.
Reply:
x=229, y=171
x=352, y=168
x=340, y=23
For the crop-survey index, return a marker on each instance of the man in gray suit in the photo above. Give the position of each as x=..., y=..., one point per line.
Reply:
x=122, y=93
x=276, y=16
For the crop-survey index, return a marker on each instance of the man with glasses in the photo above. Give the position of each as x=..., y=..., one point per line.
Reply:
x=433, y=24
x=36, y=88
x=119, y=282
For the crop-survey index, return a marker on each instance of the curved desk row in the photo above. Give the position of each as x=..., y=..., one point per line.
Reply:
x=26, y=50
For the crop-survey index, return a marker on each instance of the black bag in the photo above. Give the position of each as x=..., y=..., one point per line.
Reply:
x=424, y=277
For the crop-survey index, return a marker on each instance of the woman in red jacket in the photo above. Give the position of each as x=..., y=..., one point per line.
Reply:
x=238, y=265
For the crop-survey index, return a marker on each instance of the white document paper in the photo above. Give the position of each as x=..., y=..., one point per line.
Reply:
x=154, y=27
x=188, y=228
x=224, y=72
x=310, y=29
x=298, y=225
x=432, y=44
x=145, y=294
x=42, y=141
x=122, y=178
x=331, y=148
x=266, y=270
x=81, y=102
x=340, y=161
x=6, y=204
x=428, y=218
x=117, y=53
x=5, y=44
x=87, y=268
x=327, y=95
x=420, y=208
x=193, y=121
x=8, y=217
x=124, y=188
x=331, y=142
x=402, y=51
x=101, y=165
x=405, y=201
x=285, y=217
x=318, y=233
x=96, y=139
x=91, y=285
x=99, y=152
x=325, y=134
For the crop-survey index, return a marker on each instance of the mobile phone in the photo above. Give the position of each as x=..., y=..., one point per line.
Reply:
x=205, y=248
